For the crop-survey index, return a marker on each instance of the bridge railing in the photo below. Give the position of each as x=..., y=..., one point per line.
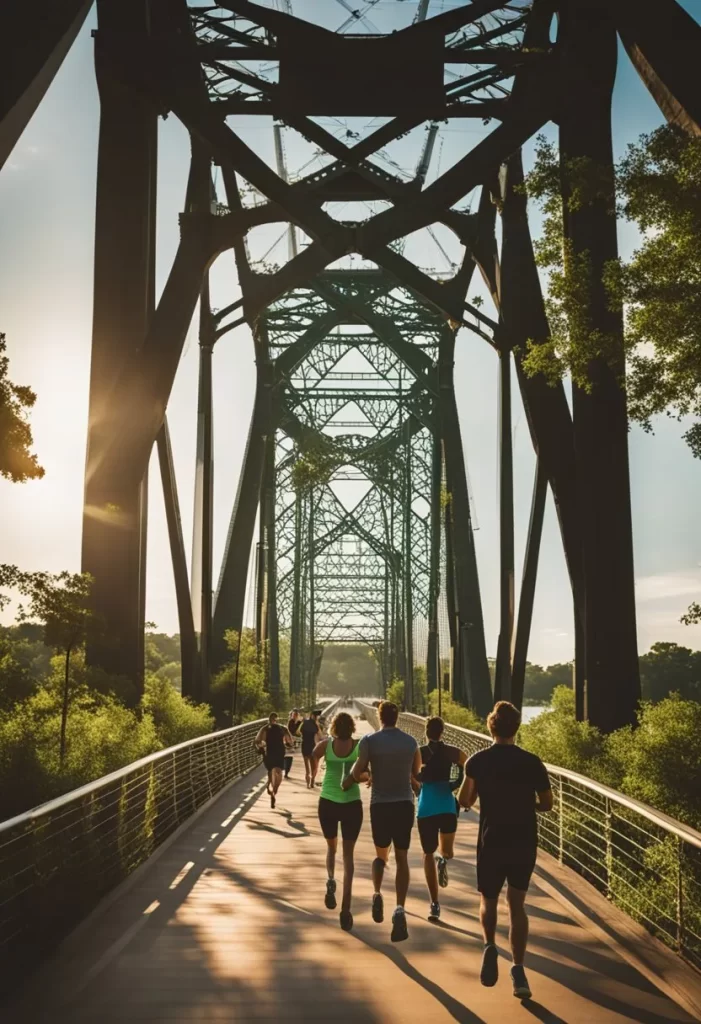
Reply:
x=59, y=859
x=645, y=862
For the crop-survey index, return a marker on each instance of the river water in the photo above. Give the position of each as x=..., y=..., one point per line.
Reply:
x=531, y=711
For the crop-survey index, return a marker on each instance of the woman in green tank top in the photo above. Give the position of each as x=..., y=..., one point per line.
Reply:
x=339, y=807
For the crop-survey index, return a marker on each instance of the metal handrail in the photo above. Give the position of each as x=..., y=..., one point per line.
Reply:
x=642, y=860
x=59, y=859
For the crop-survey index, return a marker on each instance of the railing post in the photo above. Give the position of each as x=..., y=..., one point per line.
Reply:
x=680, y=895
x=609, y=845
x=561, y=823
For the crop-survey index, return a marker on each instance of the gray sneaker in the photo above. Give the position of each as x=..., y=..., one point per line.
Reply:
x=435, y=912
x=399, y=928
x=442, y=865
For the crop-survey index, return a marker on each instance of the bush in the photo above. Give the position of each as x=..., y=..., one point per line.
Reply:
x=660, y=761
x=454, y=712
x=175, y=718
x=102, y=735
x=558, y=738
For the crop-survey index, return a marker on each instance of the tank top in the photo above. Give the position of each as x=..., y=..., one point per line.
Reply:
x=308, y=732
x=274, y=742
x=436, y=796
x=333, y=776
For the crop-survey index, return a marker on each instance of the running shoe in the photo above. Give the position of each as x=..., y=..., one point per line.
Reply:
x=346, y=920
x=435, y=912
x=522, y=989
x=272, y=800
x=378, y=908
x=330, y=897
x=399, y=928
x=442, y=865
x=489, y=973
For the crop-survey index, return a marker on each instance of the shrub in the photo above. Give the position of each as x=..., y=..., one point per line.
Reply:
x=454, y=712
x=175, y=718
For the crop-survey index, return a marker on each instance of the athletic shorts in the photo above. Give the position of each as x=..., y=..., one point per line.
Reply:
x=348, y=816
x=446, y=824
x=308, y=749
x=493, y=870
x=274, y=761
x=392, y=823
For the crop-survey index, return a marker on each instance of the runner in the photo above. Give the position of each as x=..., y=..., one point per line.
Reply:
x=394, y=760
x=506, y=779
x=339, y=806
x=274, y=738
x=293, y=724
x=311, y=735
x=437, y=810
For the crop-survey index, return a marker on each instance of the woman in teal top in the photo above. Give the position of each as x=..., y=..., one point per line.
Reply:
x=437, y=811
x=339, y=807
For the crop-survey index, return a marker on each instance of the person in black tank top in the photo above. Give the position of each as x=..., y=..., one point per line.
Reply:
x=273, y=739
x=311, y=735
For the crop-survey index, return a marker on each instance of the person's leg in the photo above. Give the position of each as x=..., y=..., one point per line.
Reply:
x=276, y=779
x=313, y=769
x=518, y=924
x=428, y=834
x=307, y=768
x=378, y=867
x=288, y=765
x=488, y=919
x=402, y=878
x=348, y=872
x=446, y=845
x=331, y=846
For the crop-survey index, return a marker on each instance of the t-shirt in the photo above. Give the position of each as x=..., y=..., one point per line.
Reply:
x=508, y=778
x=391, y=755
x=436, y=796
x=308, y=732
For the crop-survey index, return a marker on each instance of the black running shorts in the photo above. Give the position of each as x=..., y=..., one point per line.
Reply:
x=348, y=816
x=446, y=824
x=392, y=823
x=274, y=760
x=494, y=868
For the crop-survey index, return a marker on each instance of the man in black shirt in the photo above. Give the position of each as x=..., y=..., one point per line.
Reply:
x=506, y=779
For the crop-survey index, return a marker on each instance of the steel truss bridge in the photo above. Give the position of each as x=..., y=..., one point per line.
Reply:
x=354, y=472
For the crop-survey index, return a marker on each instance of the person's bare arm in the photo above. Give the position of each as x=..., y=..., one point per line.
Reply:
x=260, y=738
x=544, y=803
x=287, y=737
x=468, y=792
x=415, y=771
x=358, y=770
x=319, y=750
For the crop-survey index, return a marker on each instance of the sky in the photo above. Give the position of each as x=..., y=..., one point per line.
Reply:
x=47, y=201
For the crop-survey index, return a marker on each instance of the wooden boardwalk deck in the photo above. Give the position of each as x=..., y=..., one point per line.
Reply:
x=228, y=924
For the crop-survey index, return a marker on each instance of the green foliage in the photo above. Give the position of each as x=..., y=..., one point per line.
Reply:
x=349, y=669
x=541, y=682
x=17, y=463
x=669, y=668
x=252, y=700
x=396, y=691
x=315, y=462
x=692, y=616
x=175, y=718
x=659, y=185
x=161, y=650
x=660, y=761
x=454, y=712
x=558, y=738
x=574, y=340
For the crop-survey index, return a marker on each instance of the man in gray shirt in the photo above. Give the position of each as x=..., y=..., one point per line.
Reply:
x=394, y=762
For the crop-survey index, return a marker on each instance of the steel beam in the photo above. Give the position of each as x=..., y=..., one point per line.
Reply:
x=188, y=641
x=30, y=55
x=664, y=43
x=502, y=677
x=600, y=419
x=114, y=511
x=528, y=583
x=472, y=684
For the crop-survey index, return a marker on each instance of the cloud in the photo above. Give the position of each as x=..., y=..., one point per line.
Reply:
x=667, y=586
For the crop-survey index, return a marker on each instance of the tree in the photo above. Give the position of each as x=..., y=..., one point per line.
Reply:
x=658, y=183
x=243, y=679
x=692, y=616
x=17, y=463
x=669, y=668
x=60, y=602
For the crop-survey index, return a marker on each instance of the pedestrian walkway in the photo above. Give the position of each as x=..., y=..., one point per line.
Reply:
x=228, y=924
